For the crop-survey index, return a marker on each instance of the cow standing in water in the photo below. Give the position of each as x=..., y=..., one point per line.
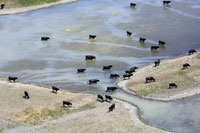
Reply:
x=92, y=37
x=132, y=5
x=166, y=2
x=142, y=40
x=45, y=38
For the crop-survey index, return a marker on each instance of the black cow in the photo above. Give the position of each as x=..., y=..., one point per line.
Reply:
x=12, y=79
x=82, y=70
x=90, y=57
x=166, y=2
x=93, y=81
x=108, y=98
x=112, y=107
x=100, y=98
x=132, y=5
x=157, y=63
x=186, y=65
x=2, y=6
x=92, y=37
x=172, y=85
x=154, y=47
x=45, y=38
x=67, y=103
x=111, y=89
x=142, y=39
x=127, y=75
x=191, y=51
x=150, y=79
x=129, y=71
x=26, y=95
x=161, y=43
x=129, y=33
x=133, y=68
x=114, y=76
x=55, y=89
x=107, y=67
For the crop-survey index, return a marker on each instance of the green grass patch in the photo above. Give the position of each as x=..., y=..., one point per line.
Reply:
x=198, y=56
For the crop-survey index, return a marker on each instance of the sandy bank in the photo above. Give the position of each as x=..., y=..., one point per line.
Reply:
x=32, y=8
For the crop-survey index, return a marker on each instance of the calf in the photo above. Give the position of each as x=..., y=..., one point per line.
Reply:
x=186, y=65
x=109, y=89
x=157, y=63
x=150, y=79
x=154, y=47
x=132, y=5
x=12, y=79
x=90, y=57
x=67, y=103
x=92, y=37
x=112, y=107
x=129, y=33
x=100, y=98
x=81, y=70
x=142, y=39
x=45, y=38
x=191, y=51
x=2, y=6
x=55, y=89
x=161, y=43
x=172, y=85
x=166, y=2
x=93, y=81
x=107, y=67
x=127, y=75
x=108, y=98
x=26, y=95
x=114, y=76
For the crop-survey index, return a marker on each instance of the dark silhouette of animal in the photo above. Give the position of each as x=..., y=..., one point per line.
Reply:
x=191, y=51
x=132, y=5
x=129, y=33
x=157, y=63
x=142, y=39
x=107, y=67
x=67, y=103
x=82, y=70
x=172, y=85
x=12, y=79
x=133, y=68
x=154, y=47
x=129, y=71
x=55, y=89
x=166, y=2
x=150, y=79
x=100, y=98
x=108, y=98
x=111, y=89
x=186, y=65
x=114, y=76
x=2, y=6
x=161, y=43
x=112, y=107
x=45, y=38
x=90, y=57
x=92, y=37
x=93, y=81
x=26, y=95
x=128, y=75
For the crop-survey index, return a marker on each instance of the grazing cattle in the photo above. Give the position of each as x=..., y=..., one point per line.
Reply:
x=129, y=33
x=154, y=47
x=161, y=43
x=67, y=103
x=107, y=67
x=133, y=68
x=129, y=71
x=127, y=75
x=157, y=63
x=26, y=95
x=112, y=107
x=166, y=2
x=191, y=51
x=45, y=38
x=92, y=37
x=111, y=89
x=114, y=76
x=12, y=79
x=150, y=79
x=108, y=98
x=142, y=39
x=132, y=5
x=186, y=65
x=81, y=70
x=90, y=57
x=172, y=85
x=55, y=89
x=100, y=98
x=93, y=81
x=2, y=6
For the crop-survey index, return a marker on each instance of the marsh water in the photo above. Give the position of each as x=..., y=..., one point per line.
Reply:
x=55, y=62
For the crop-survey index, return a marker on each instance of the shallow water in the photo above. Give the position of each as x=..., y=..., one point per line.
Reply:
x=55, y=62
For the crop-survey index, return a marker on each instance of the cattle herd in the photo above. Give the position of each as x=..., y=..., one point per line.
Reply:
x=128, y=73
